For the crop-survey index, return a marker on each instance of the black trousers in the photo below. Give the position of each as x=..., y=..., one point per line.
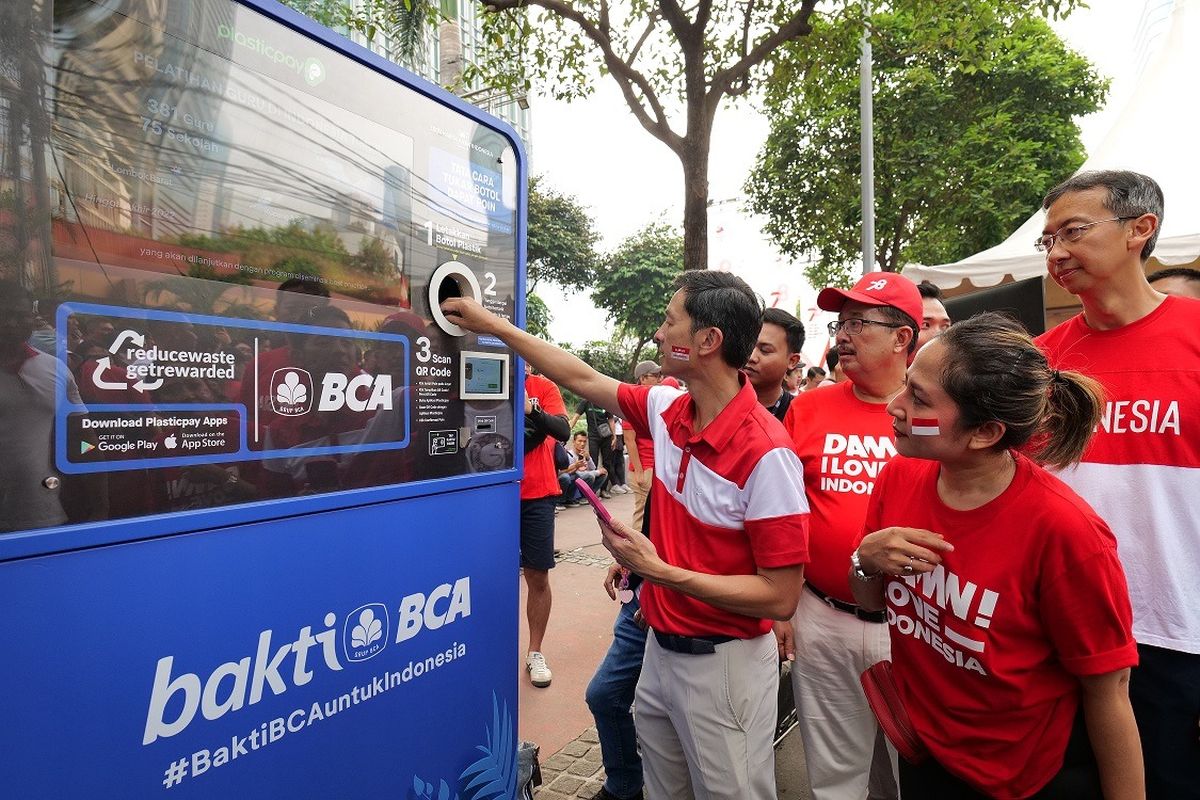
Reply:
x=617, y=456
x=1165, y=692
x=1077, y=780
x=601, y=453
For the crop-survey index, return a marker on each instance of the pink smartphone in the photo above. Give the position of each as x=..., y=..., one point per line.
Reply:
x=597, y=506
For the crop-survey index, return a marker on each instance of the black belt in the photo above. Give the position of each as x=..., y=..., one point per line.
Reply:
x=848, y=608
x=690, y=645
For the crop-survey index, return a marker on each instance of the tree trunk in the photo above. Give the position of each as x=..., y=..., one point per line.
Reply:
x=697, y=141
x=695, y=205
x=637, y=351
x=450, y=63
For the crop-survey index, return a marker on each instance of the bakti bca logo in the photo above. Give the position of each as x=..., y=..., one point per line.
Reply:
x=365, y=632
x=291, y=392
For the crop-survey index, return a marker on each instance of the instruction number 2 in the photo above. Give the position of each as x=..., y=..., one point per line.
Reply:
x=490, y=289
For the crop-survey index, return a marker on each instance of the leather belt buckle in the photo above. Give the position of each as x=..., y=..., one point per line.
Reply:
x=692, y=646
x=876, y=617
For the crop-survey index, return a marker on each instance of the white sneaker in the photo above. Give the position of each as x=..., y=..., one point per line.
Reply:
x=539, y=673
x=625, y=488
x=619, y=489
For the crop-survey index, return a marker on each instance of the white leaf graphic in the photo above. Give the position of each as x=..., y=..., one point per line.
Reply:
x=367, y=630
x=373, y=626
x=291, y=390
x=358, y=637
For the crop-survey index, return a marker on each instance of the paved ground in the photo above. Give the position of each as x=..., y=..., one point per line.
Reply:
x=557, y=718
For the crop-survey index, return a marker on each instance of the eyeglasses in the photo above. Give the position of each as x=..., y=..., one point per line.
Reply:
x=1070, y=233
x=854, y=325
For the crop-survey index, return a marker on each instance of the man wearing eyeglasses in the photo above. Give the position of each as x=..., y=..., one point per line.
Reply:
x=843, y=435
x=1142, y=469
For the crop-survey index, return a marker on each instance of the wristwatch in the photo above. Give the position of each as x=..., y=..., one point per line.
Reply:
x=856, y=567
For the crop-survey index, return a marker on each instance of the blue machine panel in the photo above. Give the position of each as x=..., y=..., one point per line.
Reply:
x=344, y=654
x=259, y=518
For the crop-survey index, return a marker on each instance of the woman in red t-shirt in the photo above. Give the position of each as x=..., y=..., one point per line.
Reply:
x=1008, y=609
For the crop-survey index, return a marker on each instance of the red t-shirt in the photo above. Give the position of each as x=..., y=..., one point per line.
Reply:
x=541, y=478
x=645, y=450
x=987, y=648
x=726, y=500
x=843, y=442
x=1142, y=468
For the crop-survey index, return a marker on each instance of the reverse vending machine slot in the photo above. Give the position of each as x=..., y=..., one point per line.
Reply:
x=451, y=279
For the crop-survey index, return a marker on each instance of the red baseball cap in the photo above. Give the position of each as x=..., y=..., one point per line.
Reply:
x=877, y=289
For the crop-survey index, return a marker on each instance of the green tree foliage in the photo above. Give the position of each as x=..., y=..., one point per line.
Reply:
x=537, y=316
x=973, y=123
x=402, y=22
x=635, y=285
x=676, y=64
x=562, y=240
x=613, y=358
x=375, y=258
x=202, y=289
x=291, y=249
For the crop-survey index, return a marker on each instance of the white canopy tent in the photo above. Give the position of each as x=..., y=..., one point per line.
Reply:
x=1155, y=134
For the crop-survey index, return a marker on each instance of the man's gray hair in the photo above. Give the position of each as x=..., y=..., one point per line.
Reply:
x=1130, y=194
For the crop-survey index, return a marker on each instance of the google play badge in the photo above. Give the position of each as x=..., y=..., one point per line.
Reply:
x=86, y=447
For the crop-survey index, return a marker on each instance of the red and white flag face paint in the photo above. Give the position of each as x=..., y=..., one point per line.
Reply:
x=681, y=353
x=924, y=426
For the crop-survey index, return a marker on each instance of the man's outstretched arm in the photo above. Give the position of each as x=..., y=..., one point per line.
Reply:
x=555, y=363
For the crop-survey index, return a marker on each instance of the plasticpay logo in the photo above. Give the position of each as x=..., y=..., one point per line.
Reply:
x=310, y=69
x=313, y=71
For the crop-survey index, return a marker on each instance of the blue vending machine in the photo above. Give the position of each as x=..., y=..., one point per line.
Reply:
x=258, y=497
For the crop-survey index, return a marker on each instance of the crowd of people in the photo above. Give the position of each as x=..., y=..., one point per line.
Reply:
x=974, y=547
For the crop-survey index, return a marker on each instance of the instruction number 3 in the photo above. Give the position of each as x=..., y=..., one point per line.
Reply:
x=424, y=351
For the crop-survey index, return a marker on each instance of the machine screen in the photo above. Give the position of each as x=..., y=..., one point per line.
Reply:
x=484, y=376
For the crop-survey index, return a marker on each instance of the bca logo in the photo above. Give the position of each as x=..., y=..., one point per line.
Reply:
x=360, y=393
x=365, y=632
x=875, y=286
x=291, y=392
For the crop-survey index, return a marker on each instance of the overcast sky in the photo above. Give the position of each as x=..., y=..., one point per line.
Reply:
x=596, y=151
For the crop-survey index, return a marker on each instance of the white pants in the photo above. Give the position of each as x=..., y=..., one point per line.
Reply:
x=705, y=722
x=846, y=751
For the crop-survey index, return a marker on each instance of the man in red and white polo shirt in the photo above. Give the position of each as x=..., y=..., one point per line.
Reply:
x=730, y=529
x=1142, y=469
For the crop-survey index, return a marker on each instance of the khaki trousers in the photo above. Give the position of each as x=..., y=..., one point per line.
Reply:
x=705, y=722
x=846, y=752
x=640, y=482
